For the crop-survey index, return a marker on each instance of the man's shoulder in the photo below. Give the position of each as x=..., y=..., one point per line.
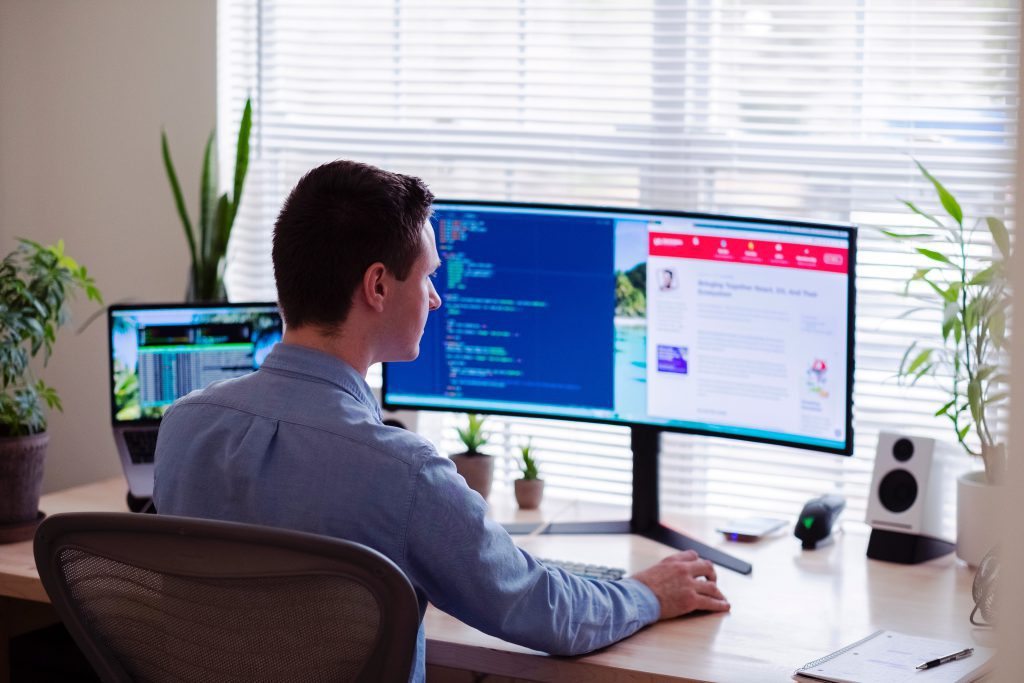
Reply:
x=402, y=444
x=225, y=391
x=334, y=416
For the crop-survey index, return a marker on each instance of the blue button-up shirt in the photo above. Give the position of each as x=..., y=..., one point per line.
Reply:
x=300, y=444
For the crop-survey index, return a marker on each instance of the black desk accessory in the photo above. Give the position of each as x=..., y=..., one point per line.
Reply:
x=814, y=527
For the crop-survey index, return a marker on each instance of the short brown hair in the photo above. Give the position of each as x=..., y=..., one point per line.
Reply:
x=340, y=219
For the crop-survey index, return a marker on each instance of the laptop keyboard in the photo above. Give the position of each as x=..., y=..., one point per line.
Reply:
x=586, y=571
x=141, y=445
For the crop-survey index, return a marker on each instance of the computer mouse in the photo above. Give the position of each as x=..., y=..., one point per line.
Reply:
x=814, y=526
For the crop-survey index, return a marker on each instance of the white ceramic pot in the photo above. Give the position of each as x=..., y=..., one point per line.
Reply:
x=977, y=516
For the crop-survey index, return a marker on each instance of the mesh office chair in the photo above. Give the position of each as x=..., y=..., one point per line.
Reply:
x=157, y=598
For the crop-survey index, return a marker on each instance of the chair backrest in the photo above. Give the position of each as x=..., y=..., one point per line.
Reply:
x=158, y=598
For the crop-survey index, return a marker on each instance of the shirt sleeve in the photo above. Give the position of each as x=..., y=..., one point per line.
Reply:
x=468, y=566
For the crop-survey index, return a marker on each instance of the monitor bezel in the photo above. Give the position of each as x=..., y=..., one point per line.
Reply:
x=851, y=233
x=113, y=308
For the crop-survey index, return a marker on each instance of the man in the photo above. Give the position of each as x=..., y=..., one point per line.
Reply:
x=300, y=443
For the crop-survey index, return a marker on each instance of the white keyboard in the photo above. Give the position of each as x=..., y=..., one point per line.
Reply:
x=586, y=571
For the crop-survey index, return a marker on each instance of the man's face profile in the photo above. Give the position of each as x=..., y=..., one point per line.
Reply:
x=412, y=301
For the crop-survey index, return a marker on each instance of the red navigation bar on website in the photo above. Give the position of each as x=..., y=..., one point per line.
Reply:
x=754, y=252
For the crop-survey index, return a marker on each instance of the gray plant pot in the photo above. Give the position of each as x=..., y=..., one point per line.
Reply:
x=21, y=484
x=477, y=470
x=529, y=493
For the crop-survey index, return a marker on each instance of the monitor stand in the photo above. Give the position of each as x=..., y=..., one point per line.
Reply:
x=645, y=443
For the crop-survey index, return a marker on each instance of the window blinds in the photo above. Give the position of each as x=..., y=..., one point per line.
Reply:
x=753, y=107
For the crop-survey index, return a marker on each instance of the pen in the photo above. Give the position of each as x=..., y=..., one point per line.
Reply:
x=966, y=652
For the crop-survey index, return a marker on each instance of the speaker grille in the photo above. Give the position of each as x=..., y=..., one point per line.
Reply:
x=898, y=491
x=903, y=450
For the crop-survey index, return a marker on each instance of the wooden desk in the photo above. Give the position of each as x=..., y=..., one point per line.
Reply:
x=24, y=605
x=795, y=607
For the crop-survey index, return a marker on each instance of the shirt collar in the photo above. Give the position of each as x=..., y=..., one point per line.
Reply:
x=305, y=361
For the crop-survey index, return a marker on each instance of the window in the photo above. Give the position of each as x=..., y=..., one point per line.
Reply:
x=750, y=107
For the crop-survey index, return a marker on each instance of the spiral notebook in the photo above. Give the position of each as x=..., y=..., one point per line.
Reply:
x=891, y=657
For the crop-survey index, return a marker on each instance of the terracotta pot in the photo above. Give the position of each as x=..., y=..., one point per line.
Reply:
x=978, y=507
x=21, y=483
x=477, y=470
x=529, y=493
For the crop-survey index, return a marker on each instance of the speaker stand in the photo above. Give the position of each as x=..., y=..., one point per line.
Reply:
x=896, y=546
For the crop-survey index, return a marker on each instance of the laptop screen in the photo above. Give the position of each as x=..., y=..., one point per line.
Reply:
x=160, y=352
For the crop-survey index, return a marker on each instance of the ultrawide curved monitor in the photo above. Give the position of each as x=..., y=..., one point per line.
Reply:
x=726, y=326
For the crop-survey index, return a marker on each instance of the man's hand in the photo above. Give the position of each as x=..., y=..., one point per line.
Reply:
x=683, y=583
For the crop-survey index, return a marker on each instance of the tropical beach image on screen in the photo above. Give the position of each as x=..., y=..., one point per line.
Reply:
x=631, y=314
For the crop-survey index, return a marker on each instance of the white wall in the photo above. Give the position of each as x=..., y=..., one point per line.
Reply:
x=84, y=88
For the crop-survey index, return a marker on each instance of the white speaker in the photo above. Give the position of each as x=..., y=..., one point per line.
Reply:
x=406, y=419
x=905, y=504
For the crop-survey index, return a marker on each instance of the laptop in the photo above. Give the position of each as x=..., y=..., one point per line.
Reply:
x=160, y=352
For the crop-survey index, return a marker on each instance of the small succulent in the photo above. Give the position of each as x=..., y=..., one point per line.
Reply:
x=529, y=466
x=472, y=435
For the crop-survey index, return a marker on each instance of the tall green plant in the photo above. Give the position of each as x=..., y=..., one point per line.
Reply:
x=472, y=434
x=35, y=282
x=971, y=291
x=216, y=214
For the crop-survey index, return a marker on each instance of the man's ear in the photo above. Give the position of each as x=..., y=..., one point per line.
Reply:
x=375, y=286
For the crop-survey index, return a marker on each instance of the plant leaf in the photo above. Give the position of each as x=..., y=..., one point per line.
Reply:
x=970, y=316
x=903, y=361
x=943, y=410
x=934, y=255
x=222, y=226
x=922, y=371
x=179, y=200
x=207, y=197
x=974, y=398
x=949, y=203
x=910, y=311
x=984, y=372
x=983, y=277
x=947, y=327
x=919, y=360
x=1000, y=235
x=950, y=311
x=910, y=205
x=209, y=275
x=241, y=160
x=997, y=327
x=907, y=236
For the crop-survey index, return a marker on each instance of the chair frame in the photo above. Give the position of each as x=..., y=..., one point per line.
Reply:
x=182, y=546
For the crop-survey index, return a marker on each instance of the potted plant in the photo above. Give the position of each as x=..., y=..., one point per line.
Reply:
x=970, y=289
x=530, y=488
x=35, y=282
x=476, y=468
x=209, y=247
